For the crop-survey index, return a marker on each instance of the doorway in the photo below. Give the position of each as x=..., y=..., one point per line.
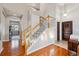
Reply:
x=66, y=30
x=14, y=33
x=14, y=29
x=58, y=31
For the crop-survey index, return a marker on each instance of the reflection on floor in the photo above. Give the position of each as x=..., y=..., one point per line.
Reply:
x=15, y=43
x=13, y=48
x=51, y=50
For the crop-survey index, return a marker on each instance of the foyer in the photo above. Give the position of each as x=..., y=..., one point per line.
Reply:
x=39, y=29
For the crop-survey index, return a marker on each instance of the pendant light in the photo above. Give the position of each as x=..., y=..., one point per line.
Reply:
x=65, y=11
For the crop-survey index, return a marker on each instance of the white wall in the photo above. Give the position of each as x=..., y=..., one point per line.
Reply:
x=72, y=11
x=50, y=9
x=45, y=39
x=7, y=24
x=49, y=36
x=34, y=20
x=59, y=10
x=73, y=15
x=0, y=32
x=2, y=28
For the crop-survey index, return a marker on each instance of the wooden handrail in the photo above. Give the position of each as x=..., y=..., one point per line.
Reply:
x=26, y=30
x=44, y=18
x=39, y=24
x=31, y=30
x=35, y=26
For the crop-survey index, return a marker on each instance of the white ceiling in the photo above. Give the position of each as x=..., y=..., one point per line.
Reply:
x=21, y=8
x=16, y=8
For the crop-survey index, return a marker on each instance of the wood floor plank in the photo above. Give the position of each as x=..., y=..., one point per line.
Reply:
x=51, y=50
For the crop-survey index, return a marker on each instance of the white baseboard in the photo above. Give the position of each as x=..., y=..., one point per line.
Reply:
x=37, y=49
x=1, y=49
x=5, y=40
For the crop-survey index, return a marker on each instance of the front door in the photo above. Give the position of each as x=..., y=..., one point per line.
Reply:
x=66, y=30
x=14, y=30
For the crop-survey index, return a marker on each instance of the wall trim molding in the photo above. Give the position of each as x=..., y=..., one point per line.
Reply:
x=5, y=40
x=1, y=49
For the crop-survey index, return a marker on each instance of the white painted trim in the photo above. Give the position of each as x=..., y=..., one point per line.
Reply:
x=60, y=30
x=1, y=50
x=38, y=49
x=5, y=40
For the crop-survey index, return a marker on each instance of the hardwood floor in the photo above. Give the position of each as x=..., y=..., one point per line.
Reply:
x=12, y=51
x=51, y=50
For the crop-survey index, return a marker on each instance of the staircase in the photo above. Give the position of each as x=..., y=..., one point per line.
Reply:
x=32, y=39
x=42, y=28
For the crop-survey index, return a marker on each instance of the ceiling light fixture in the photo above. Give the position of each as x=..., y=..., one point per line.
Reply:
x=65, y=14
